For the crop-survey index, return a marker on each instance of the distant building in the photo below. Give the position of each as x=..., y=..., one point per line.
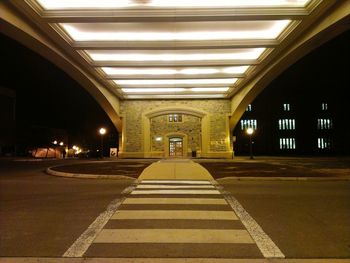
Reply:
x=303, y=124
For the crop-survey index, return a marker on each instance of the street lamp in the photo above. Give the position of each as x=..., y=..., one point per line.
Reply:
x=250, y=132
x=102, y=132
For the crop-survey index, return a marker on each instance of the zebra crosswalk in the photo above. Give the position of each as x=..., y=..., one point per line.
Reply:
x=174, y=219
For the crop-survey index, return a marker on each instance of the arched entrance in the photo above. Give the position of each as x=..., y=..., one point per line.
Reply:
x=175, y=144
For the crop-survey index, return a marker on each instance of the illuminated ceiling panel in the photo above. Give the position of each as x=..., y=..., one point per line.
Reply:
x=175, y=55
x=176, y=31
x=98, y=4
x=154, y=49
x=174, y=71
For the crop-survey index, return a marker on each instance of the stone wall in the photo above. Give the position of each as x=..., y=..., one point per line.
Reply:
x=190, y=125
x=217, y=111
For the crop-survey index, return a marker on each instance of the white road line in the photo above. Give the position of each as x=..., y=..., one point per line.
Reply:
x=174, y=236
x=79, y=247
x=173, y=182
x=145, y=192
x=174, y=214
x=147, y=186
x=191, y=201
x=267, y=247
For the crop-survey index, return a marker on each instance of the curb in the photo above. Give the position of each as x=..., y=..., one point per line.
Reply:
x=50, y=171
x=237, y=178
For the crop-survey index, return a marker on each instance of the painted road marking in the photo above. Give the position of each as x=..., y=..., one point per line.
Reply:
x=173, y=236
x=174, y=182
x=190, y=201
x=174, y=214
x=267, y=247
x=184, y=192
x=79, y=247
x=146, y=186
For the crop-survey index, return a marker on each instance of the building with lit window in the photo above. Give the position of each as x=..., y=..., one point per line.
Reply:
x=309, y=116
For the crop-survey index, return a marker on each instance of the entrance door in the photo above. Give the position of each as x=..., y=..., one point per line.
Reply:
x=175, y=147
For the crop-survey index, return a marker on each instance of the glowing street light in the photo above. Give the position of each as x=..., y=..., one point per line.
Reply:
x=61, y=143
x=250, y=132
x=102, y=132
x=55, y=142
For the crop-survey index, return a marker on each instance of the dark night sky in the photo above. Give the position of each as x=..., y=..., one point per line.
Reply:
x=47, y=96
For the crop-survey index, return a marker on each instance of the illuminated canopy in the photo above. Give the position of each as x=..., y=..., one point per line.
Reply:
x=173, y=48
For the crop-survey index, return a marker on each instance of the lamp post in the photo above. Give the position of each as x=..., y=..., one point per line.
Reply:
x=102, y=132
x=250, y=132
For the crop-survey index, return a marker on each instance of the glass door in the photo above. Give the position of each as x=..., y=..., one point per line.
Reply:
x=175, y=147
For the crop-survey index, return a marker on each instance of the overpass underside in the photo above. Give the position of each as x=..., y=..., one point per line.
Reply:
x=174, y=76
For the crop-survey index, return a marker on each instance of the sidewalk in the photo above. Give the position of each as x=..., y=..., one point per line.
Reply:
x=182, y=169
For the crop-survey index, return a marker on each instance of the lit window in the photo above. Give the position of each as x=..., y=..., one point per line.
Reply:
x=324, y=124
x=324, y=106
x=324, y=143
x=175, y=118
x=245, y=124
x=286, y=107
x=249, y=108
x=287, y=143
x=286, y=124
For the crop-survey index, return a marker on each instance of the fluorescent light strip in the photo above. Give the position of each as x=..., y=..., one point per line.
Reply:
x=107, y=4
x=210, y=89
x=165, y=90
x=176, y=96
x=147, y=82
x=173, y=71
x=153, y=90
x=253, y=53
x=110, y=35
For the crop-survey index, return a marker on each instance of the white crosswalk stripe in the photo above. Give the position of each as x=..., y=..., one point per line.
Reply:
x=174, y=218
x=176, y=192
x=175, y=214
x=183, y=201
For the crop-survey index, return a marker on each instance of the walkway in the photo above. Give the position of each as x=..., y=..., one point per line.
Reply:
x=175, y=169
x=177, y=211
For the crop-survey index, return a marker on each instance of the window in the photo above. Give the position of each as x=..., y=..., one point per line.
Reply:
x=175, y=118
x=324, y=106
x=324, y=143
x=286, y=107
x=324, y=124
x=286, y=124
x=245, y=124
x=249, y=108
x=287, y=143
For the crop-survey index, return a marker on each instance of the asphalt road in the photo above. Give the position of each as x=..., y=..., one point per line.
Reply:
x=306, y=219
x=42, y=215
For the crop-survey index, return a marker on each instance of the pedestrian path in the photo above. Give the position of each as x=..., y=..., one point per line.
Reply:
x=180, y=169
x=174, y=219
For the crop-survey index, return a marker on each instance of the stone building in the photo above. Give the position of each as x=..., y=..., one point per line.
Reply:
x=151, y=128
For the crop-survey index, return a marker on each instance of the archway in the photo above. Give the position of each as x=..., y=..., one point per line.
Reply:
x=204, y=136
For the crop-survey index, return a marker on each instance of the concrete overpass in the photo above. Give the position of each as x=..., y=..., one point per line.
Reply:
x=138, y=57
